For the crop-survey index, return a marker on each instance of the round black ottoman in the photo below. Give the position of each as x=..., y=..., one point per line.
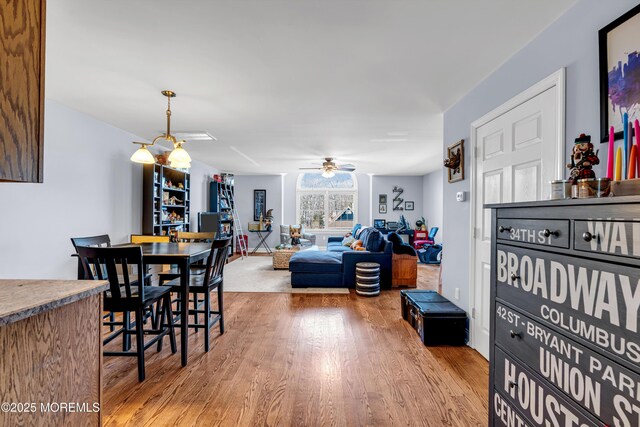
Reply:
x=368, y=279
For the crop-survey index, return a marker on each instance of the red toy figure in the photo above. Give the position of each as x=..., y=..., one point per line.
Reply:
x=582, y=159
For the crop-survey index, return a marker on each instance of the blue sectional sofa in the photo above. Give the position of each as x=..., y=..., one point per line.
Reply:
x=336, y=267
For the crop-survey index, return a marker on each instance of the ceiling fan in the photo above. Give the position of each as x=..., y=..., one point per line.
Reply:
x=329, y=167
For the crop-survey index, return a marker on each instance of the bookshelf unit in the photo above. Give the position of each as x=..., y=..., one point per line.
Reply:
x=221, y=200
x=165, y=191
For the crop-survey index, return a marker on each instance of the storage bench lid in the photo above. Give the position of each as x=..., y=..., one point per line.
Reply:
x=440, y=309
x=423, y=296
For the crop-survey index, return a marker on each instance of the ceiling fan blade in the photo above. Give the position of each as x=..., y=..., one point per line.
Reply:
x=309, y=168
x=347, y=167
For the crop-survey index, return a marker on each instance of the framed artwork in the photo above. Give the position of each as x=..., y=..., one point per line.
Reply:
x=455, y=161
x=382, y=208
x=619, y=72
x=259, y=204
x=382, y=199
x=408, y=206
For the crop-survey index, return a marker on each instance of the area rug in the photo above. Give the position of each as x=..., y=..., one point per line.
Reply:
x=256, y=274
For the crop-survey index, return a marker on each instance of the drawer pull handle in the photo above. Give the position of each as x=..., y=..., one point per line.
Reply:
x=515, y=334
x=514, y=277
x=546, y=232
x=502, y=229
x=587, y=237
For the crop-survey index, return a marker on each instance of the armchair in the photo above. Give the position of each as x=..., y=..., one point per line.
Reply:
x=306, y=239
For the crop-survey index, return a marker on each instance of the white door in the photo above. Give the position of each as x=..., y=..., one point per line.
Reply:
x=517, y=154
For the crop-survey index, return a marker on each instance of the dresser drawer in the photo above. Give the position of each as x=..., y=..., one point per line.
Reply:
x=544, y=232
x=596, y=302
x=504, y=414
x=608, y=237
x=587, y=378
x=535, y=398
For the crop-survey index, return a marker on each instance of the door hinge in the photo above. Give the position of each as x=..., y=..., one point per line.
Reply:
x=473, y=313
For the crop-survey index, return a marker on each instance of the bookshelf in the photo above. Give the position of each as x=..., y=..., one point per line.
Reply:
x=166, y=200
x=221, y=200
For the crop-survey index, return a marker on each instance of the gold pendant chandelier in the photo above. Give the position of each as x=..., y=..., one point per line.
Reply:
x=179, y=158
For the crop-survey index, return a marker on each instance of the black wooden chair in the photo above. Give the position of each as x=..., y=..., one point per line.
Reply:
x=126, y=295
x=204, y=284
x=102, y=240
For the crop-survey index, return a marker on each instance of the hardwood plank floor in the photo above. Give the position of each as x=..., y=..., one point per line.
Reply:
x=304, y=360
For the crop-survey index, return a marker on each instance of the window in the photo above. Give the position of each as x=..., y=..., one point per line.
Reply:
x=327, y=203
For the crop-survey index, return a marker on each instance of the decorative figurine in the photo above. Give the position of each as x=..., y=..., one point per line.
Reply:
x=582, y=159
x=268, y=220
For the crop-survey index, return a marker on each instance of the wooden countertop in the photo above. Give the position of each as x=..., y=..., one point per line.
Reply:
x=20, y=299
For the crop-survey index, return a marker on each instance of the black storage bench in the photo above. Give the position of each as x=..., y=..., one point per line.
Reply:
x=436, y=320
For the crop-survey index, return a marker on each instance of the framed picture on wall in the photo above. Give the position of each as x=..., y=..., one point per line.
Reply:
x=455, y=161
x=382, y=208
x=619, y=72
x=259, y=204
x=408, y=206
x=382, y=199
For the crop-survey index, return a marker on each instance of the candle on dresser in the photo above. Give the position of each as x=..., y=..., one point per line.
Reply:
x=625, y=143
x=610, y=153
x=633, y=162
x=618, y=175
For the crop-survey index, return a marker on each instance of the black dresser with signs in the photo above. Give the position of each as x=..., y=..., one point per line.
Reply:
x=565, y=300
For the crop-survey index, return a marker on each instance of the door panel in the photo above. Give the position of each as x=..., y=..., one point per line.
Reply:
x=515, y=160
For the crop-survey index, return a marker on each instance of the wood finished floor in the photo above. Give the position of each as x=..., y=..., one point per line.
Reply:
x=304, y=360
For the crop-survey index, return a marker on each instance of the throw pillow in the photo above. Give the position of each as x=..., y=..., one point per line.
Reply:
x=347, y=241
x=374, y=241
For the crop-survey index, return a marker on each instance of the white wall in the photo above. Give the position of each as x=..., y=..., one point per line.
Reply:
x=432, y=201
x=571, y=42
x=412, y=186
x=244, y=186
x=90, y=187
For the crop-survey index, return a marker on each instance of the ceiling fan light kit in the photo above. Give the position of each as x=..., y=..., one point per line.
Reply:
x=329, y=168
x=179, y=158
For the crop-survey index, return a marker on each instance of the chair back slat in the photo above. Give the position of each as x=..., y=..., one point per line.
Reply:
x=140, y=238
x=101, y=240
x=102, y=263
x=195, y=237
x=216, y=260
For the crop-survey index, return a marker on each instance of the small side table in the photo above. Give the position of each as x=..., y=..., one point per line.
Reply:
x=368, y=279
x=281, y=258
x=263, y=235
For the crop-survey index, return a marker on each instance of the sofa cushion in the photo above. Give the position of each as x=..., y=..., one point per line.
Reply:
x=316, y=262
x=347, y=241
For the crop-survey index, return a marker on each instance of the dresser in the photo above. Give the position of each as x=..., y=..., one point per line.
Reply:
x=565, y=301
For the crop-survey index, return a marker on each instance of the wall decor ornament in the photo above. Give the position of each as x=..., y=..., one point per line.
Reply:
x=382, y=209
x=619, y=72
x=455, y=161
x=259, y=204
x=409, y=206
x=382, y=199
x=397, y=200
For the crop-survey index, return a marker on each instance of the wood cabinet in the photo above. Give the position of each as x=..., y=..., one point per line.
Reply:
x=22, y=36
x=565, y=299
x=166, y=203
x=404, y=270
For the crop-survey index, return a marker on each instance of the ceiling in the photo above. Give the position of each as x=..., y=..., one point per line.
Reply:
x=282, y=84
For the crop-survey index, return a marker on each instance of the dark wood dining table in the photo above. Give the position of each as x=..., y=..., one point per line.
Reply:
x=182, y=255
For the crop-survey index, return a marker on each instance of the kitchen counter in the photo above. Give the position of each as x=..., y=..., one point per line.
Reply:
x=51, y=341
x=20, y=299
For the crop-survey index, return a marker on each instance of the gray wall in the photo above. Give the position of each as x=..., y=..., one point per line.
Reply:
x=244, y=186
x=432, y=201
x=90, y=187
x=412, y=186
x=571, y=42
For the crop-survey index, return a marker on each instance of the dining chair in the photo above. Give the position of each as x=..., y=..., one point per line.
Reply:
x=143, y=238
x=195, y=269
x=129, y=294
x=100, y=240
x=204, y=284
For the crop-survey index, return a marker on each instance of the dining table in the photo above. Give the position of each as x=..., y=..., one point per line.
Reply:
x=182, y=255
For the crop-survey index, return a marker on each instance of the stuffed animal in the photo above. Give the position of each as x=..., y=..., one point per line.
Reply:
x=357, y=244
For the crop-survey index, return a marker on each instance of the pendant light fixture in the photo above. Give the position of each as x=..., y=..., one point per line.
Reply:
x=179, y=158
